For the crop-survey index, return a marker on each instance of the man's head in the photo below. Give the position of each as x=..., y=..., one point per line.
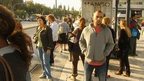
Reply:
x=97, y=17
x=50, y=18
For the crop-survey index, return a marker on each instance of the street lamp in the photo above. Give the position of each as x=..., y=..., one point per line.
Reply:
x=116, y=12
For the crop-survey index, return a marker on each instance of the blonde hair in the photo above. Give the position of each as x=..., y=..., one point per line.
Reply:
x=106, y=21
x=123, y=23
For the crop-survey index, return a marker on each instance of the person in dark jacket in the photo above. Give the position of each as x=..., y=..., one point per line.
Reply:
x=124, y=45
x=75, y=50
x=106, y=21
x=134, y=26
x=13, y=47
x=44, y=45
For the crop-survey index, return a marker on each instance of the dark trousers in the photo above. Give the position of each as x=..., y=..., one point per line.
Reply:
x=107, y=63
x=75, y=58
x=52, y=53
x=132, y=50
x=124, y=62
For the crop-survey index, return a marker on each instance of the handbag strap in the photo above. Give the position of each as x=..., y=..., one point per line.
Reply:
x=7, y=69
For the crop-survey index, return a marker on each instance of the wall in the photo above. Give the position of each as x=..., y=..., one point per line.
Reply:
x=90, y=6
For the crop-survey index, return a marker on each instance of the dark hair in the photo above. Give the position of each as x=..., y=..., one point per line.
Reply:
x=7, y=22
x=7, y=26
x=43, y=18
x=82, y=22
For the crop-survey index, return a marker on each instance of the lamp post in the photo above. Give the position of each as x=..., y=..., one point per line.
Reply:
x=116, y=12
x=128, y=12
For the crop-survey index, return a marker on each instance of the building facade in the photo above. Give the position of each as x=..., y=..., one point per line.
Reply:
x=90, y=6
x=137, y=6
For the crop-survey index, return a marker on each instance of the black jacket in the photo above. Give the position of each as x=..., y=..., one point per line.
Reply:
x=46, y=38
x=17, y=64
x=124, y=40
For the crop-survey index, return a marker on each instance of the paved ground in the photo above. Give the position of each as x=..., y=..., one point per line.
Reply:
x=62, y=68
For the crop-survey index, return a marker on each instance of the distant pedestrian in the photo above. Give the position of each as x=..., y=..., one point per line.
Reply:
x=44, y=45
x=106, y=21
x=70, y=23
x=54, y=26
x=63, y=33
x=13, y=48
x=124, y=46
x=96, y=43
x=76, y=22
x=134, y=27
x=142, y=27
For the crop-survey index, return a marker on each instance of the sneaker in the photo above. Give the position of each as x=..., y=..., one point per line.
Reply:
x=118, y=73
x=72, y=78
x=42, y=76
x=127, y=75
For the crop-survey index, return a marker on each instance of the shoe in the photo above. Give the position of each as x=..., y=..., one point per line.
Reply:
x=72, y=78
x=127, y=75
x=49, y=79
x=42, y=76
x=118, y=73
x=108, y=76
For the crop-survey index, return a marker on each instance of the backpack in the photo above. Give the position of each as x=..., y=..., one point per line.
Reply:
x=135, y=33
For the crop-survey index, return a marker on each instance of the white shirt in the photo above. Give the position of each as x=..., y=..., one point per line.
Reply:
x=7, y=49
x=54, y=26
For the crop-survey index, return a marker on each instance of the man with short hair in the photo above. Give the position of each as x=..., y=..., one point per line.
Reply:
x=96, y=43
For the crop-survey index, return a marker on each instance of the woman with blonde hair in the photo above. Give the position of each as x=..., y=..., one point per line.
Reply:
x=123, y=43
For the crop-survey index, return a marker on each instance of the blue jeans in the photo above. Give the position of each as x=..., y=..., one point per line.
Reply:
x=45, y=62
x=100, y=70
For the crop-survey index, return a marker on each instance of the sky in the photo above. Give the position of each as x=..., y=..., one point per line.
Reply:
x=71, y=3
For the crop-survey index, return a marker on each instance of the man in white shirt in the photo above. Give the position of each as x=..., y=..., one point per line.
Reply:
x=54, y=26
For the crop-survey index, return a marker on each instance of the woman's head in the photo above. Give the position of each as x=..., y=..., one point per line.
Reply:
x=82, y=22
x=41, y=20
x=7, y=22
x=106, y=21
x=123, y=25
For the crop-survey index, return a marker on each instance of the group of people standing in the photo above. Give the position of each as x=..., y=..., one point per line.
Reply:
x=94, y=44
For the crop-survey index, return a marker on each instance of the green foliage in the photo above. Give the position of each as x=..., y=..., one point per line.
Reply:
x=23, y=10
